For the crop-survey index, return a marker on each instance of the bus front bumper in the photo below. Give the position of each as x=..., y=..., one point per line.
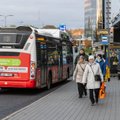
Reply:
x=18, y=84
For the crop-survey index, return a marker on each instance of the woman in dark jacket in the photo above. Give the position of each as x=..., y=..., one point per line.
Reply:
x=113, y=63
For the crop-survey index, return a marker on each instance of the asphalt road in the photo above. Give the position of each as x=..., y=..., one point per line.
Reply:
x=12, y=100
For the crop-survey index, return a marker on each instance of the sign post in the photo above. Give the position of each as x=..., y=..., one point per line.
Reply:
x=105, y=42
x=62, y=27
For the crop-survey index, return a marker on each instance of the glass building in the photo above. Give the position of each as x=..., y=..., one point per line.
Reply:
x=94, y=18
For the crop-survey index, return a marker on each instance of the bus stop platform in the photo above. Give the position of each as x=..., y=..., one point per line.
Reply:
x=64, y=104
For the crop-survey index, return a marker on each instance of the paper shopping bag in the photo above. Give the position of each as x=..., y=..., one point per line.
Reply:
x=102, y=93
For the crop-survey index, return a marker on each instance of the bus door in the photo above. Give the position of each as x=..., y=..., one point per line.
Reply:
x=64, y=59
x=54, y=58
x=43, y=65
x=60, y=69
x=42, y=59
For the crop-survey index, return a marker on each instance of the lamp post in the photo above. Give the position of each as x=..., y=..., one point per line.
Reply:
x=5, y=18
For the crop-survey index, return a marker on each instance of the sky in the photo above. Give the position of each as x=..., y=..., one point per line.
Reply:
x=46, y=12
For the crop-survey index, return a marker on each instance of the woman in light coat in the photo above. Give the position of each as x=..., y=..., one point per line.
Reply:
x=78, y=76
x=92, y=69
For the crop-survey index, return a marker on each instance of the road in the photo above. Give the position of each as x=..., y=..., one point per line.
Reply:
x=12, y=100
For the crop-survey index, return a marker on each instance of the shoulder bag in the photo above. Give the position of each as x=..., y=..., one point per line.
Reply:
x=97, y=77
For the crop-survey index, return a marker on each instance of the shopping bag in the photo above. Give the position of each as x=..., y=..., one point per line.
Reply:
x=102, y=93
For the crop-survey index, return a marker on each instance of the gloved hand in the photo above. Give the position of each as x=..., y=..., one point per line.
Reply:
x=108, y=79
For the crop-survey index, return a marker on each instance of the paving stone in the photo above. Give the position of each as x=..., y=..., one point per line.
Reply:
x=64, y=104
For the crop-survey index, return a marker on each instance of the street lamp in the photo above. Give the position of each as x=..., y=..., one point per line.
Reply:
x=5, y=18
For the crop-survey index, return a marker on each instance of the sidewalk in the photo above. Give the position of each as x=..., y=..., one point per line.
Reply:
x=64, y=104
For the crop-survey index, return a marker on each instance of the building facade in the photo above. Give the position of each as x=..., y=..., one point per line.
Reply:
x=95, y=18
x=107, y=13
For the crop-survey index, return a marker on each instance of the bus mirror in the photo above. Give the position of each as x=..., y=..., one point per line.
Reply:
x=76, y=49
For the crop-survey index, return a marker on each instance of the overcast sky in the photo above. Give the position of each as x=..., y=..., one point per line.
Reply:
x=42, y=12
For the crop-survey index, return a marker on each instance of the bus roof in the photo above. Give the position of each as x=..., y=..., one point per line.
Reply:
x=52, y=32
x=19, y=29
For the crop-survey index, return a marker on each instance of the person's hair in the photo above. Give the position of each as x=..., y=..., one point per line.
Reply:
x=104, y=56
x=100, y=55
x=90, y=54
x=82, y=57
x=82, y=49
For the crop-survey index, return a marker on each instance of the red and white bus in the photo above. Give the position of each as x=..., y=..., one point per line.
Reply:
x=33, y=59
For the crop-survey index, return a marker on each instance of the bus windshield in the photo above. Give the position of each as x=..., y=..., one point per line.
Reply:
x=13, y=40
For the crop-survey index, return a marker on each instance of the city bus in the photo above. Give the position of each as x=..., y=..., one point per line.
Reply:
x=30, y=58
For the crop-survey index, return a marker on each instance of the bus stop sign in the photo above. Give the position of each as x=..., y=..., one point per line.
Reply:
x=62, y=27
x=104, y=40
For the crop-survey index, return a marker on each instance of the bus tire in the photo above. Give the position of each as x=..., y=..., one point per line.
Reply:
x=49, y=82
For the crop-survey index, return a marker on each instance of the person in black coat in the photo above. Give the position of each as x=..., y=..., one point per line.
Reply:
x=113, y=63
x=82, y=53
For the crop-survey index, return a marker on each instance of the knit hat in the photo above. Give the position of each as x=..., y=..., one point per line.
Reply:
x=91, y=57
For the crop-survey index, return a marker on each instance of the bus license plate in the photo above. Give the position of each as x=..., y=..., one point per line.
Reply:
x=6, y=74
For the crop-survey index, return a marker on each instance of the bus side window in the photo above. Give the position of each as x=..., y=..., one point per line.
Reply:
x=38, y=49
x=56, y=59
x=69, y=54
x=64, y=52
x=50, y=59
x=53, y=53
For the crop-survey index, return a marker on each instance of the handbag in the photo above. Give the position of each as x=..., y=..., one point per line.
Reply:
x=97, y=77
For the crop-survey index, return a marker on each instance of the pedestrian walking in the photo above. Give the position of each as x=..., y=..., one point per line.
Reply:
x=92, y=69
x=113, y=64
x=82, y=53
x=107, y=75
x=102, y=64
x=78, y=76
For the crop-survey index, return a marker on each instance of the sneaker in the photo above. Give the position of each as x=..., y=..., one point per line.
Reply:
x=96, y=103
x=92, y=104
x=85, y=95
x=80, y=96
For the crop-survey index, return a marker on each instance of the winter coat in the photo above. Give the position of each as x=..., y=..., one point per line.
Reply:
x=78, y=72
x=88, y=76
x=102, y=66
x=113, y=61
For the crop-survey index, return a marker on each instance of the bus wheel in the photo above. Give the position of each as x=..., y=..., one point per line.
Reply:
x=49, y=82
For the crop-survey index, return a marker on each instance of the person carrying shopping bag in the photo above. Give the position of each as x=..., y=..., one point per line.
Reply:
x=91, y=71
x=78, y=76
